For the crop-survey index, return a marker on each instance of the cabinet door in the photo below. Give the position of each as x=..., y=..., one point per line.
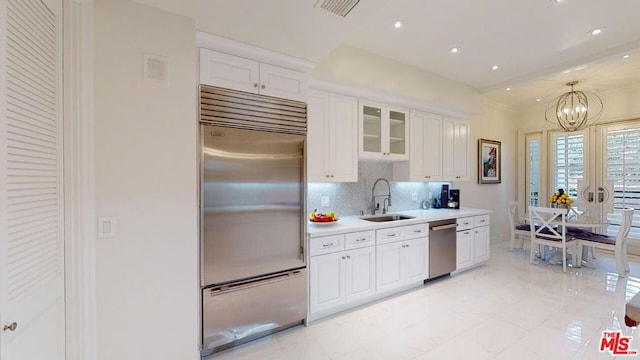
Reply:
x=343, y=138
x=415, y=260
x=464, y=249
x=388, y=266
x=227, y=71
x=432, y=153
x=326, y=284
x=448, y=149
x=371, y=130
x=481, y=244
x=396, y=133
x=455, y=148
x=282, y=83
x=360, y=281
x=318, y=137
x=461, y=152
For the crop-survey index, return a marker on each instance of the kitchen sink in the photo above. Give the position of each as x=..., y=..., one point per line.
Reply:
x=385, y=218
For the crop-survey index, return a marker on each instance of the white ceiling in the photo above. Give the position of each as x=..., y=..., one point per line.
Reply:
x=533, y=41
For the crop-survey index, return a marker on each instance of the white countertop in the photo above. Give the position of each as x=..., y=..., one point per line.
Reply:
x=354, y=223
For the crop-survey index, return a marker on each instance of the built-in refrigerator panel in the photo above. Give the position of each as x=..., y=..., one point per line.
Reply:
x=247, y=310
x=252, y=203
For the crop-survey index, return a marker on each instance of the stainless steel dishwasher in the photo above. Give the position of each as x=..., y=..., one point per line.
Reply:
x=442, y=247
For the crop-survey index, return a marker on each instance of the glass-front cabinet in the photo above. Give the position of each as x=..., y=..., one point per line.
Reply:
x=384, y=131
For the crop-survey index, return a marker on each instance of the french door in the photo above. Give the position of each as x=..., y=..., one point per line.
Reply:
x=598, y=167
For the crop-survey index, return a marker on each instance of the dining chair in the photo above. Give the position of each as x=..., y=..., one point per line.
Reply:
x=548, y=227
x=617, y=243
x=516, y=225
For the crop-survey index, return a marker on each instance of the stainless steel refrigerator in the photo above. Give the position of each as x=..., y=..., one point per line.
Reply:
x=252, y=271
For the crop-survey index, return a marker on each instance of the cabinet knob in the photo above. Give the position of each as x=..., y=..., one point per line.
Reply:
x=11, y=327
x=262, y=87
x=331, y=175
x=427, y=177
x=328, y=175
x=255, y=84
x=348, y=256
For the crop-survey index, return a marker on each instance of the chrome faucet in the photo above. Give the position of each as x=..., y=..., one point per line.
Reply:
x=386, y=202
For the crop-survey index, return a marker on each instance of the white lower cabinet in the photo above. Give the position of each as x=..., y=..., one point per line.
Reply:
x=401, y=263
x=472, y=241
x=340, y=277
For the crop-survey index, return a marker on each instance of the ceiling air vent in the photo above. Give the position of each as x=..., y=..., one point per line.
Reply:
x=339, y=7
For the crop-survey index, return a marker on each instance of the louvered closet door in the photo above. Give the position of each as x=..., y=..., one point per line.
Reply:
x=31, y=208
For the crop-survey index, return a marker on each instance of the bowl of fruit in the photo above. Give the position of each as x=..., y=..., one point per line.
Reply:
x=323, y=219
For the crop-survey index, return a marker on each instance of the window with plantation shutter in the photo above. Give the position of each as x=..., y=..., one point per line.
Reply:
x=569, y=163
x=622, y=167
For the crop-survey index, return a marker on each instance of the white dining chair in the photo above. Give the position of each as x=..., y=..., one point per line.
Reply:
x=548, y=227
x=514, y=223
x=617, y=243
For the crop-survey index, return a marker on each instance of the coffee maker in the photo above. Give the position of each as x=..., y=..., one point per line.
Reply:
x=454, y=199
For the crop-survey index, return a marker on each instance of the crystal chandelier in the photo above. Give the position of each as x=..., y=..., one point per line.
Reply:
x=573, y=110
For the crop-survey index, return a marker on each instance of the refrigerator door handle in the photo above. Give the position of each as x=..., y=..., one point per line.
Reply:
x=266, y=280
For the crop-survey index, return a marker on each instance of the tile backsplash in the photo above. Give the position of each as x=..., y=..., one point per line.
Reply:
x=352, y=198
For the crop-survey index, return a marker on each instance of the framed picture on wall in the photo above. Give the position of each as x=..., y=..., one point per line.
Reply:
x=489, y=162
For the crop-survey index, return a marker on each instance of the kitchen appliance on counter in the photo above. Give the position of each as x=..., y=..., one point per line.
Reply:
x=442, y=248
x=454, y=199
x=252, y=216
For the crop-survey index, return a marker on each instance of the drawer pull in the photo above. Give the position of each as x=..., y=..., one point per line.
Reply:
x=361, y=240
x=391, y=235
x=328, y=245
x=417, y=231
x=483, y=220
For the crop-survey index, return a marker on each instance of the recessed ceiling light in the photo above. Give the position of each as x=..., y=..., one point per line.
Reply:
x=508, y=89
x=454, y=50
x=538, y=99
x=597, y=31
x=398, y=24
x=494, y=67
x=625, y=56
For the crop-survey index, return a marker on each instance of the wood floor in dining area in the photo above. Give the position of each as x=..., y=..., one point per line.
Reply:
x=504, y=309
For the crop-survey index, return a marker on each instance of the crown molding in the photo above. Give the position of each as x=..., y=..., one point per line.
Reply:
x=232, y=47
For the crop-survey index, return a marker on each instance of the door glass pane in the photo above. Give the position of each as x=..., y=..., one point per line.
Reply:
x=622, y=167
x=397, y=123
x=533, y=170
x=372, y=126
x=569, y=163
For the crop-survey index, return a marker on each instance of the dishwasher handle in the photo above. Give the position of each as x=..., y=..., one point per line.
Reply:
x=444, y=227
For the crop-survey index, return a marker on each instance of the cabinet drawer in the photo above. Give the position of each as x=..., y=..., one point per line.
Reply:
x=389, y=235
x=416, y=231
x=464, y=223
x=360, y=239
x=481, y=220
x=326, y=244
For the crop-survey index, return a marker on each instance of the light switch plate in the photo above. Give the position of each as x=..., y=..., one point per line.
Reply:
x=106, y=227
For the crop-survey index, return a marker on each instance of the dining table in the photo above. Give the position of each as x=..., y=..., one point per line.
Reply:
x=578, y=219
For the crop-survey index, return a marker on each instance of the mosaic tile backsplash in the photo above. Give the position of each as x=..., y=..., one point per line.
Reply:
x=354, y=198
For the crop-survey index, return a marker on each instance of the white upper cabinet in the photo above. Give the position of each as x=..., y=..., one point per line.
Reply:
x=233, y=72
x=425, y=150
x=455, y=149
x=384, y=131
x=332, y=152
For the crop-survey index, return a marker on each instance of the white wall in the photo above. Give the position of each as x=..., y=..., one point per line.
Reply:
x=353, y=66
x=145, y=166
x=499, y=124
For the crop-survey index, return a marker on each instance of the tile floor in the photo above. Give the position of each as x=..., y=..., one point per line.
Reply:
x=505, y=309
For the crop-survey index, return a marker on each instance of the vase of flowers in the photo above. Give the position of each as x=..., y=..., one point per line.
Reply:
x=560, y=199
